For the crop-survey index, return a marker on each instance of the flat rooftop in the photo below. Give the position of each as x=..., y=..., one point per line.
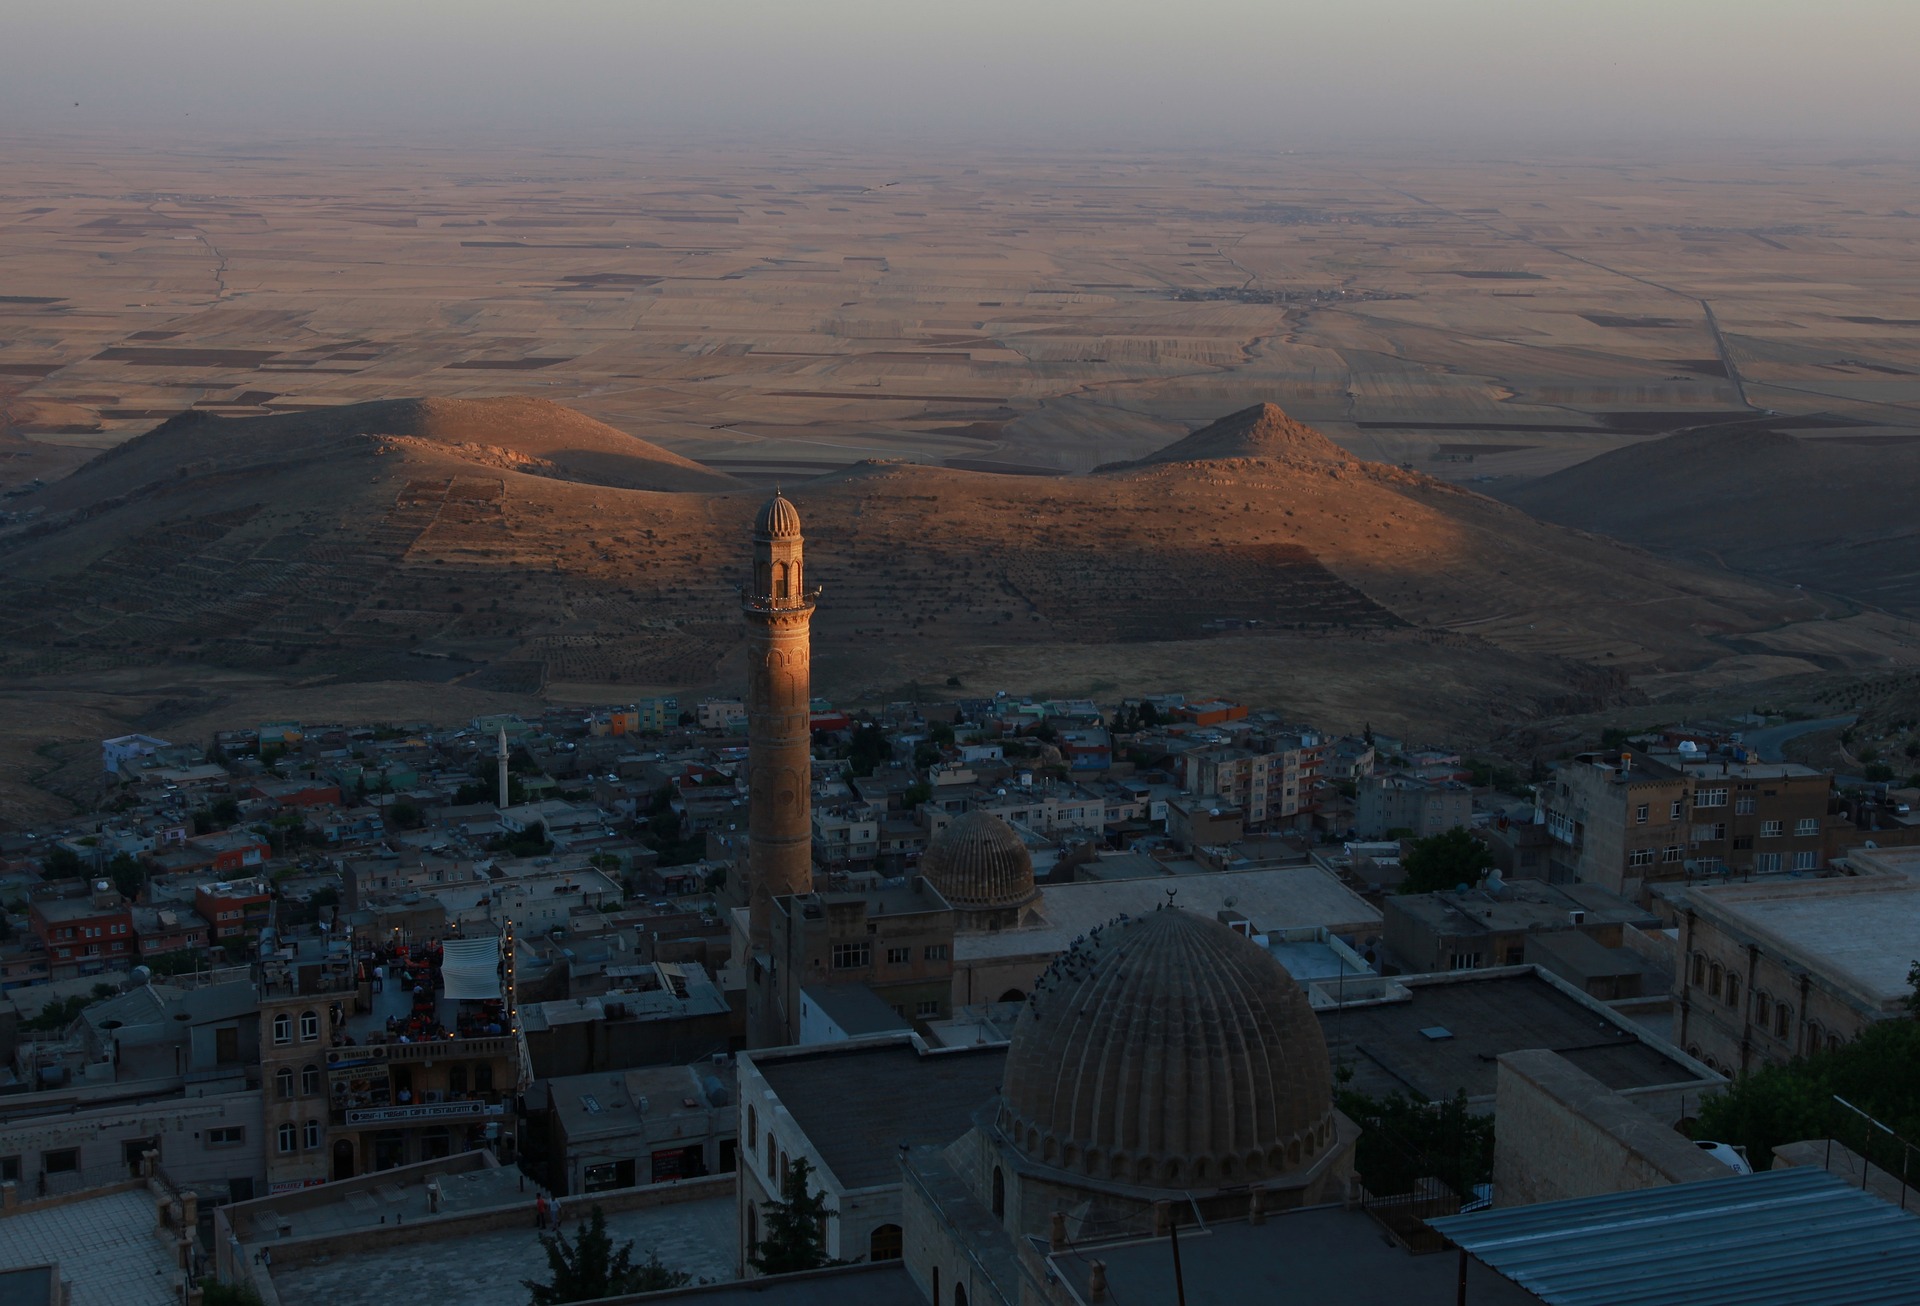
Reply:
x=486, y=1268
x=1480, y=1015
x=106, y=1247
x=1302, y=1258
x=858, y=1102
x=1273, y=898
x=1862, y=932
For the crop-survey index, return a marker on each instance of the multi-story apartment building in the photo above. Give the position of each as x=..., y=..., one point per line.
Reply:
x=1631, y=819
x=1272, y=781
x=844, y=833
x=385, y=1057
x=898, y=941
x=234, y=909
x=1385, y=803
x=84, y=936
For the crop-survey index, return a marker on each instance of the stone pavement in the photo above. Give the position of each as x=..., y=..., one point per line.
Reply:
x=106, y=1247
x=486, y=1269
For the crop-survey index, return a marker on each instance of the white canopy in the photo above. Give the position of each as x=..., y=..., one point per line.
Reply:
x=470, y=968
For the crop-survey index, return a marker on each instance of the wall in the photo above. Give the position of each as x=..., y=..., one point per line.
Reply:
x=179, y=1127
x=1565, y=1134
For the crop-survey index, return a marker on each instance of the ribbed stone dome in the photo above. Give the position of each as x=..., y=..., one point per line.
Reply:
x=778, y=518
x=979, y=862
x=1168, y=1051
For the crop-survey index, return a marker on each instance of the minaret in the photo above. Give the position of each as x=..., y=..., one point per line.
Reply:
x=503, y=768
x=779, y=610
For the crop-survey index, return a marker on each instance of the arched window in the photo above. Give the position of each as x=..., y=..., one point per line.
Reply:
x=884, y=1243
x=783, y=1170
x=780, y=580
x=1714, y=976
x=457, y=1079
x=753, y=1225
x=283, y=1028
x=1782, y=1020
x=753, y=1128
x=936, y=1286
x=999, y=1193
x=1762, y=1007
x=309, y=1026
x=773, y=1157
x=1733, y=990
x=283, y=1081
x=309, y=1080
x=959, y=1295
x=1699, y=969
x=284, y=1136
x=312, y=1139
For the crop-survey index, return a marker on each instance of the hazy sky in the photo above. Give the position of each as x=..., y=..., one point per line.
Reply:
x=1279, y=73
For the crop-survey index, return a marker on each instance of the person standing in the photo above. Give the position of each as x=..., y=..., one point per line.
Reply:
x=540, y=1211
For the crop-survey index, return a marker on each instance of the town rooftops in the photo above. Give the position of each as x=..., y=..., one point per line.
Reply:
x=1445, y=1035
x=858, y=1102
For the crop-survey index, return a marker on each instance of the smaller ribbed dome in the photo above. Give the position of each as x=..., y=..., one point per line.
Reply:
x=979, y=862
x=778, y=519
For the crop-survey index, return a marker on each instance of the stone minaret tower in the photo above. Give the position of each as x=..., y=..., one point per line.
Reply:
x=779, y=610
x=503, y=768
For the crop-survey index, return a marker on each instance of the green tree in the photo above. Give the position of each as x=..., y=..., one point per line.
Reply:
x=1441, y=861
x=1783, y=1104
x=215, y=1293
x=405, y=815
x=61, y=864
x=868, y=749
x=588, y=1267
x=796, y=1226
x=129, y=877
x=1404, y=1139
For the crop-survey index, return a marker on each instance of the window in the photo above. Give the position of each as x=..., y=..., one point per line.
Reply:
x=773, y=1157
x=1672, y=853
x=1699, y=969
x=283, y=1028
x=1806, y=861
x=929, y=1008
x=309, y=1026
x=311, y=1139
x=1770, y=829
x=783, y=1170
x=884, y=1243
x=1715, y=975
x=284, y=1136
x=1743, y=805
x=850, y=956
x=1762, y=1008
x=1640, y=857
x=283, y=1081
x=1806, y=825
x=9, y=1169
x=1464, y=961
x=1710, y=833
x=1640, y=814
x=936, y=952
x=1673, y=811
x=1782, y=1020
x=1766, y=863
x=999, y=1193
x=1733, y=990
x=899, y=956
x=1709, y=798
x=64, y=1161
x=227, y=1136
x=753, y=1128
x=309, y=1081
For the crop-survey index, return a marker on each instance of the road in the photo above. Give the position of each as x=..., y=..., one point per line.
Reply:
x=1769, y=741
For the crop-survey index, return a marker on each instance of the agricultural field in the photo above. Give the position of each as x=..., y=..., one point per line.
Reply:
x=776, y=315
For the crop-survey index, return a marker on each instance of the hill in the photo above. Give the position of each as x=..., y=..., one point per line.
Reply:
x=1821, y=513
x=302, y=558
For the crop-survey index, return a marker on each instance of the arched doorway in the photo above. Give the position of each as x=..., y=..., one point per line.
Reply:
x=884, y=1243
x=1013, y=995
x=343, y=1158
x=959, y=1295
x=999, y=1193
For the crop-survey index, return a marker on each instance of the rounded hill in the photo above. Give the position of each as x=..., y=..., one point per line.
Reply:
x=1262, y=431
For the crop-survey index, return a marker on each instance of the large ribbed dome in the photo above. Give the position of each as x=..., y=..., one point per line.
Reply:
x=778, y=518
x=1168, y=1051
x=979, y=862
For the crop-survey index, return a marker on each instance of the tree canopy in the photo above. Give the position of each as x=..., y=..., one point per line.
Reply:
x=587, y=1267
x=796, y=1226
x=1403, y=1140
x=1442, y=861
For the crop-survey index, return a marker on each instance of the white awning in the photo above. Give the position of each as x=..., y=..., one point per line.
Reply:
x=470, y=968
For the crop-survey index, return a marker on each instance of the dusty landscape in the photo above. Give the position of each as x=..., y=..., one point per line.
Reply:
x=660, y=334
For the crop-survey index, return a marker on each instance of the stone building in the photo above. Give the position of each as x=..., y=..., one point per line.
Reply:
x=1407, y=802
x=984, y=870
x=1769, y=971
x=895, y=939
x=779, y=611
x=1167, y=1070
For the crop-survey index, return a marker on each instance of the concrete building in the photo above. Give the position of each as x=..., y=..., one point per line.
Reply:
x=1627, y=820
x=650, y=1015
x=1404, y=802
x=650, y=1126
x=234, y=909
x=1454, y=930
x=1272, y=784
x=1769, y=971
x=84, y=936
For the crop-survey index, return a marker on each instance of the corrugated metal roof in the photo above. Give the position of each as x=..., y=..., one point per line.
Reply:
x=1785, y=1237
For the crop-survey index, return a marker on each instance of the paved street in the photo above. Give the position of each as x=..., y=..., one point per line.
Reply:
x=1769, y=741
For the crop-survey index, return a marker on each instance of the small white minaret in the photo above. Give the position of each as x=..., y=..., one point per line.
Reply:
x=503, y=768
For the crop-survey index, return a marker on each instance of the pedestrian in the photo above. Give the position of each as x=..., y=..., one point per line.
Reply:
x=540, y=1211
x=555, y=1205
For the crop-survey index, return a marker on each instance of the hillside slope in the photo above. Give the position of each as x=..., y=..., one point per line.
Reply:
x=1820, y=513
x=1280, y=569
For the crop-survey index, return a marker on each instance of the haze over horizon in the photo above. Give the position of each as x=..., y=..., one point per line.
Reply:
x=1238, y=72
